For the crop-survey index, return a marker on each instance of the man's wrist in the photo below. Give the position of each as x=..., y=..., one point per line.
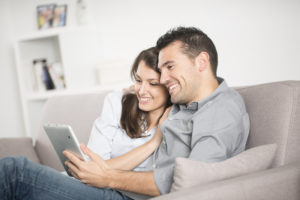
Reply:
x=112, y=175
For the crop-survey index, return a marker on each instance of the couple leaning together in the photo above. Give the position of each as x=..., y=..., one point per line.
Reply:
x=178, y=108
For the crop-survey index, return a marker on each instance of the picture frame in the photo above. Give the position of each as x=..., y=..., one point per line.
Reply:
x=45, y=15
x=60, y=16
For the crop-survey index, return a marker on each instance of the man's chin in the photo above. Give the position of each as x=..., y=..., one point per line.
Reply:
x=177, y=99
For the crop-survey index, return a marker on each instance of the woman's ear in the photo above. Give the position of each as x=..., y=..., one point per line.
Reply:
x=202, y=61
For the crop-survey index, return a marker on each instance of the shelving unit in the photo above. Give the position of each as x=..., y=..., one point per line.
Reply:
x=76, y=49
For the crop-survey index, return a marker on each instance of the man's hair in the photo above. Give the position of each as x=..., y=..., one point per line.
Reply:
x=194, y=42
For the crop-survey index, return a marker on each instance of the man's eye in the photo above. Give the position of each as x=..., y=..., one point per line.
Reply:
x=170, y=66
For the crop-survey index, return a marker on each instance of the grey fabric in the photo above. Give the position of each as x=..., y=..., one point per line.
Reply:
x=188, y=173
x=79, y=111
x=18, y=147
x=212, y=129
x=274, y=110
x=273, y=184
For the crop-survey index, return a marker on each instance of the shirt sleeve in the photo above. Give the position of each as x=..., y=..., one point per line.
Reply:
x=106, y=126
x=219, y=143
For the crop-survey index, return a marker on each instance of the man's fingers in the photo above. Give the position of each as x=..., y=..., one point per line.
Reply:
x=91, y=154
x=73, y=158
x=72, y=169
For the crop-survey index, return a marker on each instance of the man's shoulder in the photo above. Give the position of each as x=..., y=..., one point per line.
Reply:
x=225, y=109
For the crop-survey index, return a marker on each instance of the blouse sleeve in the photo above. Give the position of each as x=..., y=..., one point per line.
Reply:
x=106, y=126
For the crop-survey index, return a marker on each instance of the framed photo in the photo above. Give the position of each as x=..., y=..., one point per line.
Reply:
x=59, y=15
x=45, y=16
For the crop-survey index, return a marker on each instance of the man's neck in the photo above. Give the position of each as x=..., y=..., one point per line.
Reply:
x=207, y=87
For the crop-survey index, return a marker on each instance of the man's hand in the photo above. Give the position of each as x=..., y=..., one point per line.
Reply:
x=94, y=172
x=97, y=173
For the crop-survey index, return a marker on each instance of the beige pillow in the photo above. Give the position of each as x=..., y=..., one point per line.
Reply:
x=188, y=173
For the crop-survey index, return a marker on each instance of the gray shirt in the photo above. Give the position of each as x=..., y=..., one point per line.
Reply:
x=211, y=130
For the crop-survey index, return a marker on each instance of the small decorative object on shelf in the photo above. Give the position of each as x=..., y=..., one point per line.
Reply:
x=51, y=15
x=57, y=75
x=81, y=12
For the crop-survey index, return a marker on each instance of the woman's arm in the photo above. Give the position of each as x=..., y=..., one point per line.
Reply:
x=135, y=157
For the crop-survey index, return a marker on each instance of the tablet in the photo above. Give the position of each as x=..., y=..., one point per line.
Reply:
x=63, y=138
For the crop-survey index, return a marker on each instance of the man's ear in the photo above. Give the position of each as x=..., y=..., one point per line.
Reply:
x=202, y=61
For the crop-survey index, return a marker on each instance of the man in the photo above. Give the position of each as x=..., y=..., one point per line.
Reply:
x=208, y=122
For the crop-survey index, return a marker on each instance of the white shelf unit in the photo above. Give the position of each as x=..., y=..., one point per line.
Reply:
x=76, y=49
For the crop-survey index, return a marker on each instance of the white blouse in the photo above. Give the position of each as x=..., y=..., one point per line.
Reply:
x=107, y=138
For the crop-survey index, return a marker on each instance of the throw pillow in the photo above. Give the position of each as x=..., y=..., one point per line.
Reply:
x=188, y=173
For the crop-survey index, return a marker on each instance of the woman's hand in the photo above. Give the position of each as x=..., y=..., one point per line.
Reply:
x=130, y=89
x=164, y=116
x=94, y=172
x=157, y=138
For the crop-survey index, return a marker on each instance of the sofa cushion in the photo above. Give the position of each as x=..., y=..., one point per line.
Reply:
x=188, y=173
x=274, y=112
x=18, y=147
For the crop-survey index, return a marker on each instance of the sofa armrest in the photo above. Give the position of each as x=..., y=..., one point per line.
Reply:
x=18, y=147
x=276, y=184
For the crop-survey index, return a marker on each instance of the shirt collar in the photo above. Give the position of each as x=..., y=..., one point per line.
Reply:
x=197, y=105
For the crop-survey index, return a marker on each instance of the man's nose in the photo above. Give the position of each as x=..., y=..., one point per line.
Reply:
x=164, y=77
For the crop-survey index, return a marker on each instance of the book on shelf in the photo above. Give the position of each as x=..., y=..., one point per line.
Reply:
x=47, y=77
x=57, y=75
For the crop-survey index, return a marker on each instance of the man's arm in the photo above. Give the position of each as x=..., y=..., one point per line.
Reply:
x=138, y=182
x=98, y=173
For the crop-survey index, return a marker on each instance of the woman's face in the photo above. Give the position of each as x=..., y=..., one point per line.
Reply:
x=151, y=94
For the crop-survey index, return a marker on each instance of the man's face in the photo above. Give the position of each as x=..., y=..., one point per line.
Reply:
x=178, y=73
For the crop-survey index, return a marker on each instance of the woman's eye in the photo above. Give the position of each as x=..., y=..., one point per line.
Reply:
x=154, y=84
x=138, y=81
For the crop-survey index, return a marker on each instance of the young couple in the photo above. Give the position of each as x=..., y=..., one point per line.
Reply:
x=207, y=122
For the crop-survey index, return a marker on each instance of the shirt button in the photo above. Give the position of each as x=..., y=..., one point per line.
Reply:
x=170, y=118
x=154, y=166
x=164, y=142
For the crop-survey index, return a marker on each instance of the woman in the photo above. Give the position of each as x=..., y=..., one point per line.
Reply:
x=129, y=120
x=134, y=132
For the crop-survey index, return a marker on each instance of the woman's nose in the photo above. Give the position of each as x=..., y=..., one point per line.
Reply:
x=143, y=89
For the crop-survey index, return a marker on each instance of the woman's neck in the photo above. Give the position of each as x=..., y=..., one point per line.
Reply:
x=153, y=117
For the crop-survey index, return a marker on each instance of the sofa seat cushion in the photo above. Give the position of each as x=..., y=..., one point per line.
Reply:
x=18, y=147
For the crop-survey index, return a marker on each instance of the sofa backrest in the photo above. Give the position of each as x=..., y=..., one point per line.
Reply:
x=274, y=111
x=79, y=111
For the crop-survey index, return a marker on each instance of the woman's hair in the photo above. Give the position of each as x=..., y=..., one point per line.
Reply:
x=133, y=120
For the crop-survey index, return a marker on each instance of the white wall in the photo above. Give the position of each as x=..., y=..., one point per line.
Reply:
x=258, y=41
x=10, y=116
